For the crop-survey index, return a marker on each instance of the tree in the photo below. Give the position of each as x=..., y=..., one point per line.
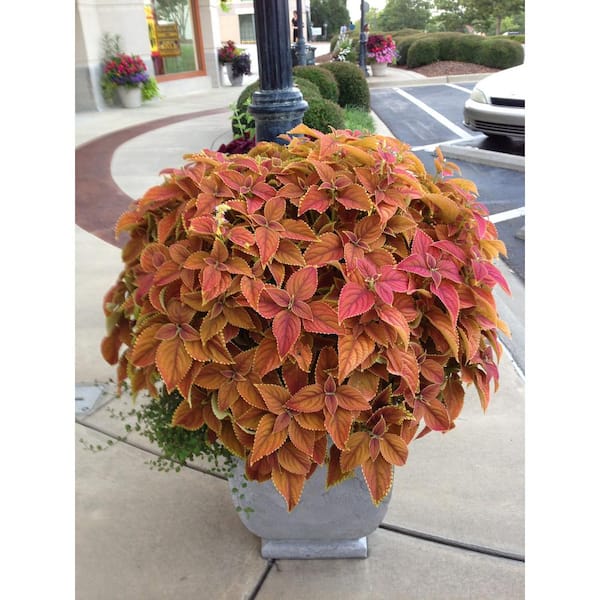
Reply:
x=484, y=15
x=175, y=11
x=404, y=14
x=332, y=12
x=493, y=11
x=451, y=15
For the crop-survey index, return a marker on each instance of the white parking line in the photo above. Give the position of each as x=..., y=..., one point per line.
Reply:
x=459, y=87
x=435, y=114
x=507, y=215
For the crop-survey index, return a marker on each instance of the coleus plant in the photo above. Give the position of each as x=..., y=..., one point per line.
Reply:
x=319, y=302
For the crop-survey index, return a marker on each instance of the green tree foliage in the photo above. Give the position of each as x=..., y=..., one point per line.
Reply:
x=332, y=12
x=404, y=14
x=483, y=15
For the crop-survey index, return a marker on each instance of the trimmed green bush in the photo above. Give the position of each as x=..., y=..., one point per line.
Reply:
x=403, y=44
x=352, y=84
x=466, y=48
x=321, y=114
x=423, y=52
x=323, y=79
x=447, y=44
x=500, y=54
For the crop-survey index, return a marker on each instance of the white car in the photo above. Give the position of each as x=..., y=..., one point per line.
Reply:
x=496, y=105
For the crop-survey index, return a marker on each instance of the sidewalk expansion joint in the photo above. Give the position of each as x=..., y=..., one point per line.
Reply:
x=263, y=577
x=454, y=543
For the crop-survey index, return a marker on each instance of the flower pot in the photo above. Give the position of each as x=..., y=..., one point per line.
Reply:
x=379, y=69
x=331, y=523
x=234, y=80
x=130, y=97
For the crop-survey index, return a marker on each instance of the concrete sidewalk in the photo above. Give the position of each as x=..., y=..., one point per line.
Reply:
x=455, y=526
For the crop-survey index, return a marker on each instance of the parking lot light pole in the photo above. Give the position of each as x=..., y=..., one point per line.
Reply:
x=277, y=106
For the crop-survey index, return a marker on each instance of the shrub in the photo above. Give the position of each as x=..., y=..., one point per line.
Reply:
x=403, y=44
x=423, y=52
x=321, y=113
x=351, y=82
x=500, y=54
x=466, y=48
x=323, y=79
x=447, y=43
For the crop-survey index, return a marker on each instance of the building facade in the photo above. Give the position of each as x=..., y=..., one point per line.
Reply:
x=177, y=39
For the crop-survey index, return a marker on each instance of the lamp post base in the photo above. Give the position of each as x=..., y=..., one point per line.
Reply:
x=276, y=112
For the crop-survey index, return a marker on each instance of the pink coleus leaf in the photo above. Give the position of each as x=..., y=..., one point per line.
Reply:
x=286, y=329
x=354, y=300
x=447, y=293
x=302, y=284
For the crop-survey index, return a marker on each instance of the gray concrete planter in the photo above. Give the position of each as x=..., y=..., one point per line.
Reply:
x=330, y=523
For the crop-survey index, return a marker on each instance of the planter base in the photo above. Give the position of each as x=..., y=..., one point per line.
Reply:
x=306, y=549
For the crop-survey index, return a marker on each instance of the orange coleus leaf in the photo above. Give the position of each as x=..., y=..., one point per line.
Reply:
x=454, y=397
x=251, y=289
x=266, y=441
x=351, y=399
x=310, y=398
x=354, y=197
x=352, y=352
x=335, y=474
x=392, y=316
x=303, y=439
x=267, y=241
x=356, y=451
x=324, y=319
x=404, y=363
x=274, y=396
x=298, y=230
x=289, y=485
x=379, y=475
x=144, y=349
x=314, y=199
x=188, y=417
x=293, y=460
x=266, y=358
x=172, y=361
x=448, y=208
x=327, y=249
x=286, y=329
x=432, y=371
x=445, y=325
x=338, y=426
x=393, y=448
x=289, y=254
x=230, y=440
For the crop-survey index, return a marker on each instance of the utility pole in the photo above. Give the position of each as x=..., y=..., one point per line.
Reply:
x=277, y=106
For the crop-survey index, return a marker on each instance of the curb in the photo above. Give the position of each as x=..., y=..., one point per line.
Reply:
x=422, y=80
x=484, y=157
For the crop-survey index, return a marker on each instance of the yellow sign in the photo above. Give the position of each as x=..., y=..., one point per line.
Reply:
x=151, y=30
x=168, y=39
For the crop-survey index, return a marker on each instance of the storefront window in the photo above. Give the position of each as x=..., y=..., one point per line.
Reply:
x=173, y=30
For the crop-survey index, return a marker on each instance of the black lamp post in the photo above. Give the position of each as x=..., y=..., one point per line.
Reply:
x=301, y=42
x=362, y=52
x=277, y=106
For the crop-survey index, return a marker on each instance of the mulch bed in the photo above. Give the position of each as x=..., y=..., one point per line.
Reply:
x=440, y=68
